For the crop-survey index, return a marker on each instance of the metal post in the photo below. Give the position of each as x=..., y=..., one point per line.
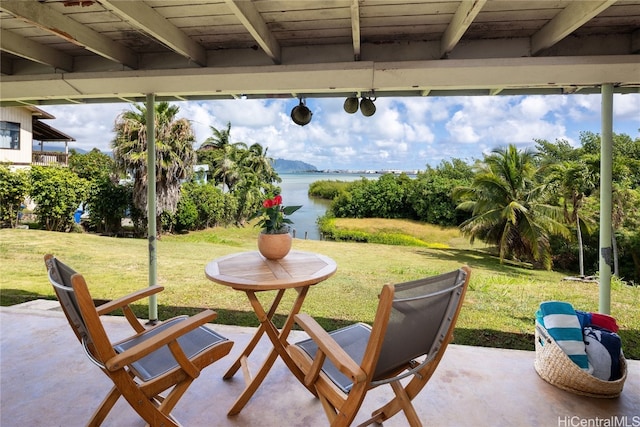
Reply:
x=606, y=161
x=151, y=203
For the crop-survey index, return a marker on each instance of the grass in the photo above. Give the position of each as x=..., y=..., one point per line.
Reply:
x=397, y=232
x=498, y=310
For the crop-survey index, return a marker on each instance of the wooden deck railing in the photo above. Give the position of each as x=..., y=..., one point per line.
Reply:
x=46, y=158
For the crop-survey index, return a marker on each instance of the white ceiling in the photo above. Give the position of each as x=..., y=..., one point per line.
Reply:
x=55, y=52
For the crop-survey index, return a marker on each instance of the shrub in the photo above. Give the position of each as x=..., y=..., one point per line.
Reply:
x=14, y=187
x=385, y=197
x=431, y=200
x=201, y=206
x=186, y=216
x=209, y=202
x=107, y=204
x=57, y=193
x=326, y=189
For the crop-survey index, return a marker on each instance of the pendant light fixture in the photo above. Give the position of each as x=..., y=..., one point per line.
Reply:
x=300, y=114
x=367, y=107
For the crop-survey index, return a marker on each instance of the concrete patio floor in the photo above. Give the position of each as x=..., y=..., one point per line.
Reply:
x=45, y=380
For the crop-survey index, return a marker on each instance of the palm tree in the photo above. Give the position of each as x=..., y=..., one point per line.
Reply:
x=219, y=140
x=175, y=156
x=508, y=209
x=258, y=162
x=244, y=171
x=222, y=156
x=576, y=180
x=256, y=177
x=572, y=172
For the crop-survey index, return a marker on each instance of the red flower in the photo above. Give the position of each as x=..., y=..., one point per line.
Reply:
x=270, y=203
x=273, y=215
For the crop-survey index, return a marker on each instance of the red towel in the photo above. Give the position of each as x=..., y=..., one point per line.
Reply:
x=604, y=321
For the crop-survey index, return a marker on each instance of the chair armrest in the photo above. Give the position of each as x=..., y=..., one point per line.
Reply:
x=111, y=306
x=165, y=337
x=328, y=346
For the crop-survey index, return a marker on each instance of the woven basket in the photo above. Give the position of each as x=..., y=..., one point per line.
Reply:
x=555, y=367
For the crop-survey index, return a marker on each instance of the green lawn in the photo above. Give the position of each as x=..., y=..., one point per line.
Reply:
x=498, y=310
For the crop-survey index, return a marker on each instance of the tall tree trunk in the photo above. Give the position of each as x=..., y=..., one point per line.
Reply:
x=580, y=247
x=614, y=243
x=636, y=262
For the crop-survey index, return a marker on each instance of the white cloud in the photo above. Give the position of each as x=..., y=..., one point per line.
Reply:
x=497, y=121
x=91, y=125
x=627, y=107
x=404, y=133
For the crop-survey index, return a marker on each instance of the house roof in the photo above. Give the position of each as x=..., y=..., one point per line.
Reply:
x=44, y=132
x=84, y=51
x=39, y=113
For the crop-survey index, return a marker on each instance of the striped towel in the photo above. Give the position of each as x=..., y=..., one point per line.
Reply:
x=560, y=320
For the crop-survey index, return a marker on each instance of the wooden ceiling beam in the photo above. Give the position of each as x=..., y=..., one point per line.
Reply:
x=28, y=49
x=406, y=78
x=355, y=28
x=47, y=19
x=572, y=17
x=155, y=25
x=463, y=18
x=249, y=16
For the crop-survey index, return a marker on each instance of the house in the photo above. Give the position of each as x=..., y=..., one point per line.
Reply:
x=20, y=127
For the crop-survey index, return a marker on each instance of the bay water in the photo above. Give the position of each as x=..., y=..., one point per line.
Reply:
x=295, y=191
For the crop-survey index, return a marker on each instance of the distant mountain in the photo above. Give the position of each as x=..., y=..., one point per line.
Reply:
x=59, y=147
x=292, y=166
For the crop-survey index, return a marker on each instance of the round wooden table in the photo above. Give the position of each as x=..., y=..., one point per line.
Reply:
x=250, y=272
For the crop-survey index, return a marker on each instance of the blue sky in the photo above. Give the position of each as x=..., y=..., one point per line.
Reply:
x=404, y=133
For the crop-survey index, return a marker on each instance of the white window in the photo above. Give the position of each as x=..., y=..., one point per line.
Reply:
x=10, y=135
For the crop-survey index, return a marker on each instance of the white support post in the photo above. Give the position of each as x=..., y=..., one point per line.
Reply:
x=151, y=204
x=606, y=166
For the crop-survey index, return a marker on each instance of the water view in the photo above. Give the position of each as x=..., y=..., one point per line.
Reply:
x=295, y=189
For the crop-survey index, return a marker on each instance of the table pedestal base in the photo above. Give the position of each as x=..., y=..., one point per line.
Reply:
x=279, y=340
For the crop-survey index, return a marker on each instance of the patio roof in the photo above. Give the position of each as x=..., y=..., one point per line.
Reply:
x=44, y=132
x=55, y=51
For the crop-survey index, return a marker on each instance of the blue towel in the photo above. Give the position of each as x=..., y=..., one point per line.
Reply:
x=603, y=349
x=560, y=320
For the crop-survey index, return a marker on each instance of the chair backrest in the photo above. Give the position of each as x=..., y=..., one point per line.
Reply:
x=62, y=278
x=422, y=314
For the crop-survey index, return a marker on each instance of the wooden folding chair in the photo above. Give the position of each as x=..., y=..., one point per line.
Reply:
x=413, y=325
x=165, y=358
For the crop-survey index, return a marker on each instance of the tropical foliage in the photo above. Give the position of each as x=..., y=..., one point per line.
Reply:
x=328, y=189
x=243, y=171
x=574, y=178
x=107, y=200
x=272, y=217
x=13, y=191
x=386, y=197
x=202, y=206
x=92, y=166
x=427, y=197
x=539, y=207
x=175, y=156
x=509, y=207
x=57, y=193
x=430, y=196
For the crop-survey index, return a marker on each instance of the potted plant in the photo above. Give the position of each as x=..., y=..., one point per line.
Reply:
x=274, y=240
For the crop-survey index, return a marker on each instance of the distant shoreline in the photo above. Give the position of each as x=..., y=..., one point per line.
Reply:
x=353, y=172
